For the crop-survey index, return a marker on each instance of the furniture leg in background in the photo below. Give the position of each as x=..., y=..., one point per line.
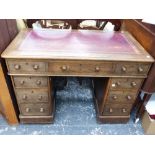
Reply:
x=6, y=101
x=8, y=30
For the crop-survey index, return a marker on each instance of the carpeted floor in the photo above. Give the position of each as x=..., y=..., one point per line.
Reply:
x=75, y=115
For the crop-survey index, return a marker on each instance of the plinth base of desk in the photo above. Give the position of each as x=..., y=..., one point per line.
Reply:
x=36, y=119
x=113, y=119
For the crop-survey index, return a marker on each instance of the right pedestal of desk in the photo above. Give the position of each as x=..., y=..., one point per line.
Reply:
x=115, y=97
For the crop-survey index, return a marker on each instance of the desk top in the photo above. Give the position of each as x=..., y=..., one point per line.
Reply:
x=76, y=44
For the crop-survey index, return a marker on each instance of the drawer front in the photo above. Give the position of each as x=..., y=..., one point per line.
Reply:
x=80, y=67
x=30, y=82
x=116, y=110
x=132, y=69
x=126, y=97
x=125, y=83
x=17, y=66
x=32, y=95
x=35, y=109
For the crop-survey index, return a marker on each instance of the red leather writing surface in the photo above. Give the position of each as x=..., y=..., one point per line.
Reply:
x=78, y=41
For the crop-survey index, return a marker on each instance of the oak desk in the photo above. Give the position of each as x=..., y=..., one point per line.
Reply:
x=115, y=60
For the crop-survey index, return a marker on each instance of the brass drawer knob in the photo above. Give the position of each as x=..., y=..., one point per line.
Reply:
x=133, y=84
x=24, y=97
x=124, y=69
x=124, y=110
x=114, y=97
x=40, y=98
x=129, y=97
x=22, y=82
x=17, y=67
x=38, y=82
x=97, y=69
x=35, y=67
x=64, y=68
x=110, y=110
x=41, y=109
x=27, y=110
x=140, y=69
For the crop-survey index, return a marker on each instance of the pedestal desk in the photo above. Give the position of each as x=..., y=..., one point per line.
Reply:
x=117, y=63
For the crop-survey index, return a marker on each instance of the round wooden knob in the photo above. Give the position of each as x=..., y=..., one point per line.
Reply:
x=97, y=69
x=140, y=69
x=27, y=110
x=129, y=97
x=110, y=110
x=118, y=83
x=40, y=98
x=38, y=82
x=22, y=82
x=124, y=69
x=114, y=97
x=41, y=109
x=17, y=67
x=124, y=110
x=35, y=67
x=24, y=97
x=133, y=84
x=64, y=68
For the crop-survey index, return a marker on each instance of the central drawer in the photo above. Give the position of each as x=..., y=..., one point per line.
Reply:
x=80, y=68
x=40, y=109
x=32, y=95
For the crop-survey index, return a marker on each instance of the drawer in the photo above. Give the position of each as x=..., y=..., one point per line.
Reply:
x=116, y=110
x=35, y=109
x=132, y=69
x=81, y=68
x=125, y=83
x=30, y=82
x=32, y=95
x=23, y=66
x=127, y=97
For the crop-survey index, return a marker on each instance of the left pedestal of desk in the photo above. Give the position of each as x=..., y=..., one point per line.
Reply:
x=35, y=98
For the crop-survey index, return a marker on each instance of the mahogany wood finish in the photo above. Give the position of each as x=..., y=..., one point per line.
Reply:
x=9, y=109
x=50, y=53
